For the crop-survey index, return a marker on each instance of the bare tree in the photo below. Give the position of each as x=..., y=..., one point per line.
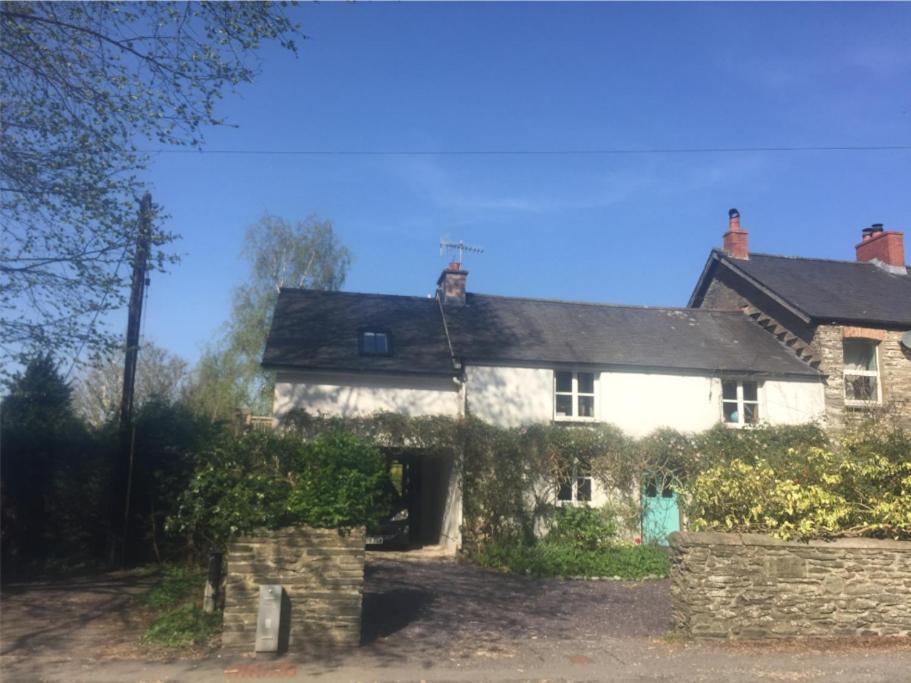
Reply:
x=160, y=375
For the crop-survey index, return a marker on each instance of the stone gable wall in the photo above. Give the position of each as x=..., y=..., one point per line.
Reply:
x=753, y=586
x=322, y=573
x=894, y=374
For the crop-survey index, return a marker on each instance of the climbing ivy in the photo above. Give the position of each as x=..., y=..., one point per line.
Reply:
x=510, y=476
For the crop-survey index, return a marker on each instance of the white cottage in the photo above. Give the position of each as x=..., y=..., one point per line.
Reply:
x=514, y=361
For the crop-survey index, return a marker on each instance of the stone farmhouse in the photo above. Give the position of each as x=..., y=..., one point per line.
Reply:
x=765, y=339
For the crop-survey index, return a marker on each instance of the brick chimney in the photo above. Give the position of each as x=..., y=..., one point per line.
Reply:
x=887, y=247
x=735, y=239
x=451, y=284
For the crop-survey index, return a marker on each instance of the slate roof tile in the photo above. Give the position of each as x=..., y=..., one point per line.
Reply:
x=319, y=331
x=833, y=291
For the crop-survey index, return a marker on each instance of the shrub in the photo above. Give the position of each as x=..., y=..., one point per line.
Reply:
x=268, y=479
x=860, y=488
x=583, y=528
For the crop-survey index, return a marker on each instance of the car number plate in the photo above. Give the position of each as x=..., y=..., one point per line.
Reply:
x=374, y=540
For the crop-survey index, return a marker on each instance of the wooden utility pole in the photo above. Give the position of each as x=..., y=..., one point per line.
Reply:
x=123, y=465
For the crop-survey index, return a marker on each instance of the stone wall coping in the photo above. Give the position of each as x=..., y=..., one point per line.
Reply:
x=710, y=538
x=263, y=534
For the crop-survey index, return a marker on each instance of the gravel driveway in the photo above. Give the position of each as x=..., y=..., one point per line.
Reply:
x=429, y=620
x=414, y=608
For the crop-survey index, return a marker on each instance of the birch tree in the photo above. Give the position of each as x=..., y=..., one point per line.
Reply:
x=305, y=254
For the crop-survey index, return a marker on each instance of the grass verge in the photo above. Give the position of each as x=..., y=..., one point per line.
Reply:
x=179, y=621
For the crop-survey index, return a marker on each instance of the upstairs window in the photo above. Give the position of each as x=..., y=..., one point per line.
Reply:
x=861, y=372
x=574, y=395
x=578, y=487
x=374, y=343
x=740, y=402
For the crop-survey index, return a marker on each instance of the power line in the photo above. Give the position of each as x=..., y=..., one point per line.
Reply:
x=534, y=152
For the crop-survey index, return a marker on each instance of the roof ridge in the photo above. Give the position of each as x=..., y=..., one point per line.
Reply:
x=306, y=290
x=602, y=305
x=810, y=258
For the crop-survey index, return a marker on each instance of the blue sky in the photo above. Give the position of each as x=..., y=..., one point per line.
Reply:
x=617, y=228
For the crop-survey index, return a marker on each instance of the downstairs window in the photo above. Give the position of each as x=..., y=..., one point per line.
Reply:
x=740, y=402
x=577, y=488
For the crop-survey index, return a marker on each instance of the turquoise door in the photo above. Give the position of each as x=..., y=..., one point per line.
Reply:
x=660, y=513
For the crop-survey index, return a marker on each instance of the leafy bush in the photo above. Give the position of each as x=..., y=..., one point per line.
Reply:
x=178, y=583
x=182, y=626
x=178, y=620
x=547, y=558
x=510, y=476
x=269, y=479
x=583, y=528
x=860, y=488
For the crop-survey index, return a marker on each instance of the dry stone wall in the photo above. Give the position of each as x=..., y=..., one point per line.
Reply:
x=753, y=586
x=322, y=572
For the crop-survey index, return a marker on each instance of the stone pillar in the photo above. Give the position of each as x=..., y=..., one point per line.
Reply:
x=322, y=572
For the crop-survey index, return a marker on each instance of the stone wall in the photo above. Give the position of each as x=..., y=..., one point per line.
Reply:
x=752, y=586
x=894, y=374
x=322, y=572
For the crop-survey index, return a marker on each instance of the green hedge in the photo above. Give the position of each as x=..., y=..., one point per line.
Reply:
x=859, y=487
x=274, y=479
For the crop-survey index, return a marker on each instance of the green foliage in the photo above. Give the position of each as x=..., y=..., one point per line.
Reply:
x=721, y=444
x=860, y=487
x=183, y=626
x=178, y=620
x=272, y=480
x=510, y=476
x=584, y=528
x=177, y=584
x=53, y=479
x=557, y=559
x=84, y=86
x=57, y=472
x=305, y=254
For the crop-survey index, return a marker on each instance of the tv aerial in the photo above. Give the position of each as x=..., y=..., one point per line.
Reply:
x=460, y=247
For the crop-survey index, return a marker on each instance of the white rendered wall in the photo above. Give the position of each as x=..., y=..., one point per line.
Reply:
x=510, y=397
x=636, y=402
x=639, y=403
x=793, y=402
x=357, y=395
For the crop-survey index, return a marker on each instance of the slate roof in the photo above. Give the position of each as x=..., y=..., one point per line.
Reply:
x=495, y=328
x=829, y=291
x=319, y=331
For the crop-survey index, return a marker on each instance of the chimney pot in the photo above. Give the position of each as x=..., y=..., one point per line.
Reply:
x=887, y=247
x=736, y=238
x=451, y=284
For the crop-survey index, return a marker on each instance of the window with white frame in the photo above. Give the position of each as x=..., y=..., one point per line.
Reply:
x=740, y=402
x=861, y=372
x=574, y=395
x=577, y=487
